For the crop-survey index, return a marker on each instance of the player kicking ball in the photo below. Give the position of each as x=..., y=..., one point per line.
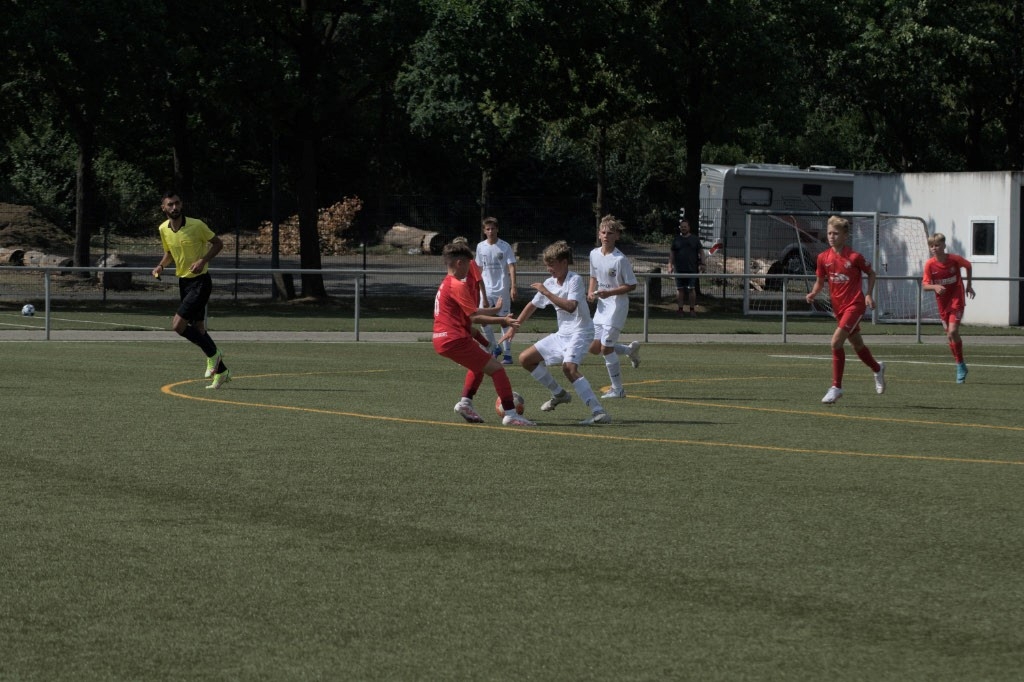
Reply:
x=844, y=269
x=567, y=292
x=455, y=313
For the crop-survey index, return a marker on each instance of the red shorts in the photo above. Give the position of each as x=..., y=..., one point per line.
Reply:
x=951, y=311
x=849, y=318
x=464, y=350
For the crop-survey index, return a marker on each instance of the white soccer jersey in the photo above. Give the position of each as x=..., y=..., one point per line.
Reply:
x=574, y=289
x=611, y=271
x=494, y=260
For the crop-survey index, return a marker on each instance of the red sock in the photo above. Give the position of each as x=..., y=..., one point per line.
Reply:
x=838, y=366
x=958, y=350
x=472, y=384
x=865, y=356
x=504, y=389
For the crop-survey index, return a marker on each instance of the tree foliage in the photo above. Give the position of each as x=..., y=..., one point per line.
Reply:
x=103, y=104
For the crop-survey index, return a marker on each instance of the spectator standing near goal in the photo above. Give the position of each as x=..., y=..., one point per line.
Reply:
x=844, y=268
x=456, y=310
x=686, y=257
x=942, y=275
x=190, y=244
x=566, y=291
x=611, y=281
x=497, y=262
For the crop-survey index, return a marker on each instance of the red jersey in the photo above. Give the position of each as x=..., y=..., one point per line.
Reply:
x=947, y=274
x=455, y=302
x=474, y=278
x=844, y=272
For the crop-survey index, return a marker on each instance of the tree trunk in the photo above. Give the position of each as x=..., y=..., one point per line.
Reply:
x=485, y=178
x=84, y=194
x=602, y=173
x=309, y=236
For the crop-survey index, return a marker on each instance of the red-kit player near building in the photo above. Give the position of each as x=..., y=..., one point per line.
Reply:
x=456, y=310
x=844, y=269
x=942, y=275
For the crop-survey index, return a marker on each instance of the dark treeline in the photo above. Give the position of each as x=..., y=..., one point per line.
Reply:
x=613, y=102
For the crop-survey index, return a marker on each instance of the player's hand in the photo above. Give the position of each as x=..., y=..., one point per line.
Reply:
x=540, y=288
x=939, y=290
x=969, y=291
x=870, y=301
x=197, y=267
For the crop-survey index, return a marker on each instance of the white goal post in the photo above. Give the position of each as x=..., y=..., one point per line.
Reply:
x=784, y=245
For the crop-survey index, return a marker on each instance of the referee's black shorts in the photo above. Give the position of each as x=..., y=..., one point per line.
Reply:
x=195, y=294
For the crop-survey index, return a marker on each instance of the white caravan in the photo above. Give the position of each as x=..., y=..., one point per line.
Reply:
x=728, y=192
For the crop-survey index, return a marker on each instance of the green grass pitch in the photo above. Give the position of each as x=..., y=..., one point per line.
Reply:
x=328, y=516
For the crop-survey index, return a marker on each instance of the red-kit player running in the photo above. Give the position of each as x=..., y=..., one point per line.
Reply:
x=942, y=275
x=844, y=269
x=456, y=310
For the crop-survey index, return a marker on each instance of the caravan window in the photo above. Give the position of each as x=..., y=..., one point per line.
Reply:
x=840, y=204
x=755, y=196
x=983, y=239
x=812, y=190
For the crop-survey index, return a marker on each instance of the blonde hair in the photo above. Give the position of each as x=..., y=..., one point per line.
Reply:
x=455, y=250
x=937, y=238
x=612, y=223
x=842, y=223
x=560, y=250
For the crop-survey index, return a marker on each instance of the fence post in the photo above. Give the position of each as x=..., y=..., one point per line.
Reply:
x=356, y=321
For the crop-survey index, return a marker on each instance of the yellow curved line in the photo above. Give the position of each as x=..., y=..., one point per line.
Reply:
x=168, y=389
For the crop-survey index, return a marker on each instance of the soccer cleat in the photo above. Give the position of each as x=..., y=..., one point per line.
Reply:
x=211, y=364
x=597, y=418
x=496, y=352
x=556, y=400
x=507, y=360
x=961, y=372
x=833, y=395
x=880, y=379
x=516, y=420
x=614, y=393
x=465, y=408
x=633, y=353
x=220, y=379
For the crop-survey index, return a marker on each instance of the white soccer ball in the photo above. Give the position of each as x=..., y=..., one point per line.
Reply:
x=516, y=398
x=28, y=310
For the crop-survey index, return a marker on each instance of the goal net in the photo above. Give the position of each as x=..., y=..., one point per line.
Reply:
x=788, y=244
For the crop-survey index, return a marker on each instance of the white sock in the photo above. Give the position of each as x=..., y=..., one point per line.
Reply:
x=611, y=361
x=541, y=374
x=587, y=395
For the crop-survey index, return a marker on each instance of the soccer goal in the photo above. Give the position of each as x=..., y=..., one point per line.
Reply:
x=785, y=247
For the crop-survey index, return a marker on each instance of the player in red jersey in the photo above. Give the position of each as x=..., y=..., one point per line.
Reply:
x=844, y=269
x=942, y=275
x=456, y=310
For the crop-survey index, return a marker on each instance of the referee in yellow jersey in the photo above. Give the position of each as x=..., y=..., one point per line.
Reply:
x=191, y=245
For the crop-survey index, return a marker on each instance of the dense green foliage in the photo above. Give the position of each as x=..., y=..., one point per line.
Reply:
x=106, y=103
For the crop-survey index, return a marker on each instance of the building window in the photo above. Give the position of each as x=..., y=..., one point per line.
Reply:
x=983, y=239
x=755, y=196
x=840, y=204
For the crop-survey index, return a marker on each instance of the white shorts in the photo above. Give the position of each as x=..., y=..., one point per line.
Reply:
x=557, y=349
x=506, y=301
x=607, y=335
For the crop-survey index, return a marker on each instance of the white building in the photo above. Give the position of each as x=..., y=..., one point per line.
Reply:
x=982, y=217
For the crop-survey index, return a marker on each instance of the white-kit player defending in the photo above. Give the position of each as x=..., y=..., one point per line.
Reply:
x=497, y=263
x=566, y=291
x=611, y=281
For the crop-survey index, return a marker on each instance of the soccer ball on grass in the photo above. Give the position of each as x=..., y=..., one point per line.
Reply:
x=518, y=399
x=28, y=310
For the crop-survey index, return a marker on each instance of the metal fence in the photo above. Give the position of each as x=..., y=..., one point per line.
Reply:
x=49, y=284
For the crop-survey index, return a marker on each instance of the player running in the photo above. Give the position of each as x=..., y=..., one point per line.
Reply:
x=844, y=269
x=942, y=275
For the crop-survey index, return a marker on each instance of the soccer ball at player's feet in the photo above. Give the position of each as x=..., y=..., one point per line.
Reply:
x=518, y=399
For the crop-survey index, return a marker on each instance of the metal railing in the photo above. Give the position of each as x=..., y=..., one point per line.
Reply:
x=359, y=278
